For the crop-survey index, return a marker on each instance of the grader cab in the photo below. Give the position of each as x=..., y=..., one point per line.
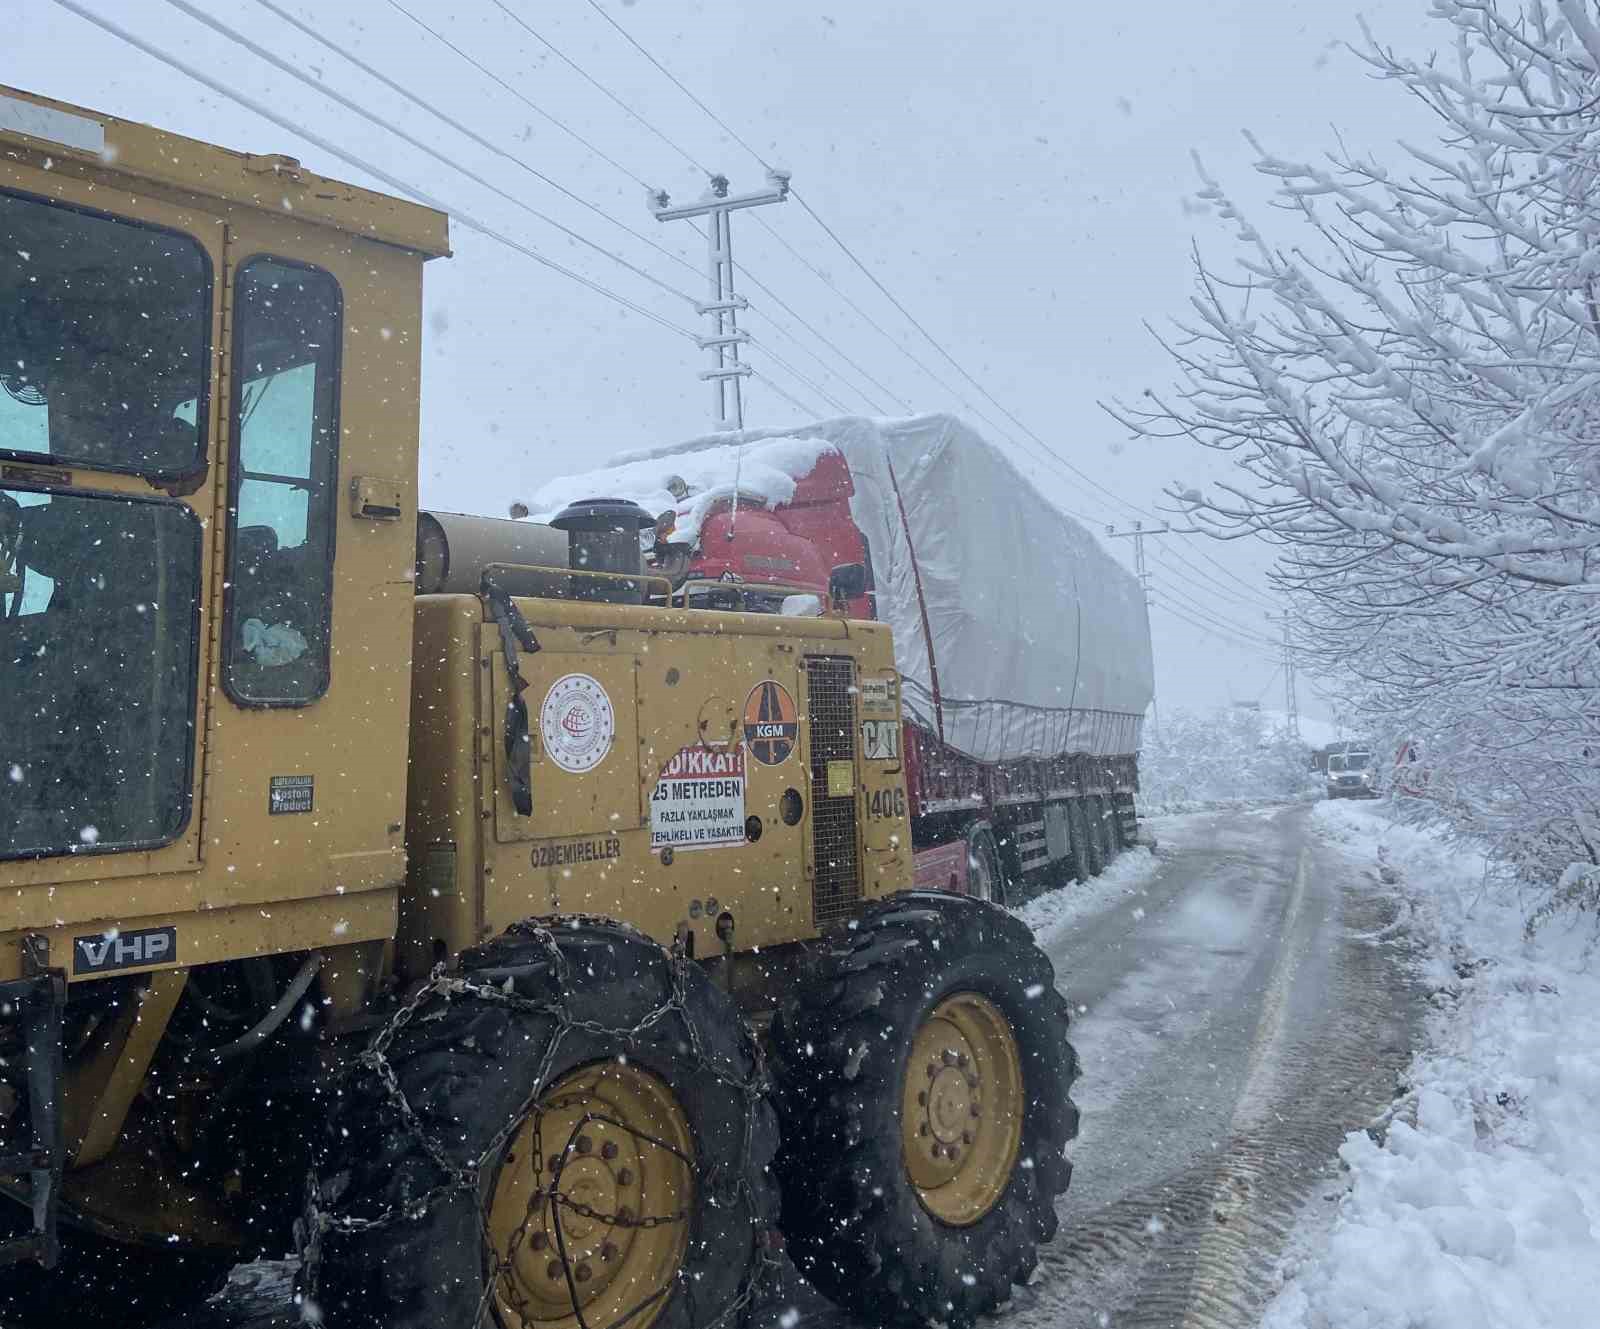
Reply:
x=407, y=890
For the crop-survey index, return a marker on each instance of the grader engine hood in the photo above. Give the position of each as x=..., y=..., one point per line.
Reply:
x=704, y=775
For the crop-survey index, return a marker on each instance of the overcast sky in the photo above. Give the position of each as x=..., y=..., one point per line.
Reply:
x=1018, y=175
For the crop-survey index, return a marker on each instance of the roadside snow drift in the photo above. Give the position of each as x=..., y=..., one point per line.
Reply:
x=1480, y=1208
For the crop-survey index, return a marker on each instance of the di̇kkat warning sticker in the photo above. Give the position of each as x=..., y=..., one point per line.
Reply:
x=771, y=723
x=698, y=801
x=577, y=723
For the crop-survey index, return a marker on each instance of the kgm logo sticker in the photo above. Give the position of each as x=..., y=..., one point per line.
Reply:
x=124, y=950
x=771, y=723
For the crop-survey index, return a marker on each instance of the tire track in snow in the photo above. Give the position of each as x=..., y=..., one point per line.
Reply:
x=1199, y=1248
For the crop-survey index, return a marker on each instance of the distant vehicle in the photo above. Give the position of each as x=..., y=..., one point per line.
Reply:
x=1352, y=774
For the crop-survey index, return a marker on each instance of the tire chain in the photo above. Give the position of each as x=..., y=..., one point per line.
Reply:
x=316, y=1221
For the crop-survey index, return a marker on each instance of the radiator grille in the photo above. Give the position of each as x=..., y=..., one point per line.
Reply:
x=831, y=717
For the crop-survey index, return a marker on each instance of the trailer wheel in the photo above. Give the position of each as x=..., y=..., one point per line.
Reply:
x=575, y=1132
x=924, y=1073
x=986, y=877
x=110, y=1283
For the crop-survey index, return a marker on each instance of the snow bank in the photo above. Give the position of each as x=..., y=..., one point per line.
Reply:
x=1051, y=914
x=1481, y=1207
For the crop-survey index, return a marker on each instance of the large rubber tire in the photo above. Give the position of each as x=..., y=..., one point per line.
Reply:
x=108, y=1283
x=470, y=1067
x=986, y=876
x=855, y=1223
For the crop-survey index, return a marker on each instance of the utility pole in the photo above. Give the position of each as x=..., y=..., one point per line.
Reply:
x=724, y=305
x=1137, y=534
x=1291, y=705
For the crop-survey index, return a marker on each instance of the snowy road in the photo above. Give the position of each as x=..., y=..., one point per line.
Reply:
x=1236, y=1020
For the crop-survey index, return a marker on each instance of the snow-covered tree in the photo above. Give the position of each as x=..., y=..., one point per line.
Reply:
x=1413, y=395
x=1226, y=756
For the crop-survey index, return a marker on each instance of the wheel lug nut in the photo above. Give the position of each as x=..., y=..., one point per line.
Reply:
x=538, y=1241
x=552, y=1271
x=961, y=1059
x=923, y=1130
x=583, y=1273
x=976, y=1111
x=966, y=1137
x=972, y=1082
x=585, y=1144
x=949, y=1057
x=933, y=1069
x=609, y=1251
x=625, y=1176
x=608, y=1150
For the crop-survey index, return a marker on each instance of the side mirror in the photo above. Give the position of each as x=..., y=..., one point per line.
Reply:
x=848, y=581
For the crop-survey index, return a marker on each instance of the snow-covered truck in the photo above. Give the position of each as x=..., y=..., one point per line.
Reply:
x=1022, y=648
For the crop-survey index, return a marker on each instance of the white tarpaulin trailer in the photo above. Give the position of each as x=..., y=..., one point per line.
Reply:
x=1038, y=639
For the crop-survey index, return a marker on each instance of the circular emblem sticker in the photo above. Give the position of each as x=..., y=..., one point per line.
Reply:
x=577, y=723
x=771, y=723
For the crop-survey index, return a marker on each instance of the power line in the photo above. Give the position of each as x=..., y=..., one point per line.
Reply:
x=472, y=134
x=727, y=128
x=360, y=164
x=778, y=388
x=1251, y=647
x=284, y=66
x=599, y=86
x=872, y=277
x=1234, y=599
x=795, y=373
x=468, y=131
x=532, y=106
x=834, y=236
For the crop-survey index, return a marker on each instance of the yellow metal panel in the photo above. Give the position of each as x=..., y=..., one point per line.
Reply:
x=581, y=784
x=268, y=183
x=208, y=936
x=100, y=1090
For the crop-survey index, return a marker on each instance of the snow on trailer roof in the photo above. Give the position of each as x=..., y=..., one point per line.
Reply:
x=1040, y=640
x=766, y=470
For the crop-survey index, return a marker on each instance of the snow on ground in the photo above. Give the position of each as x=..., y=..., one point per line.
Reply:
x=1055, y=911
x=1481, y=1205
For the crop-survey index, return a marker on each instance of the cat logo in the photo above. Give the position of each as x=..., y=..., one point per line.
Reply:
x=771, y=723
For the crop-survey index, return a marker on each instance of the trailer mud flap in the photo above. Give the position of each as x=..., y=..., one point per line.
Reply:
x=35, y=1002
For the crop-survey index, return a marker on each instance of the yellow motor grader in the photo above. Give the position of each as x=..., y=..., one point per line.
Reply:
x=408, y=890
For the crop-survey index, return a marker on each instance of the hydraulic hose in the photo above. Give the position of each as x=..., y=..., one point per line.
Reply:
x=270, y=1022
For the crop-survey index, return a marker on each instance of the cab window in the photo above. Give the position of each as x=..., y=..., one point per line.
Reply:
x=105, y=329
x=282, y=482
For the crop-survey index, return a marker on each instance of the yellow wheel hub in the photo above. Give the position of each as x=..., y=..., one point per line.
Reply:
x=589, y=1211
x=961, y=1113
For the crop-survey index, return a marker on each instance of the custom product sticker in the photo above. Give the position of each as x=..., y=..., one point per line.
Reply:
x=698, y=801
x=771, y=723
x=877, y=695
x=577, y=723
